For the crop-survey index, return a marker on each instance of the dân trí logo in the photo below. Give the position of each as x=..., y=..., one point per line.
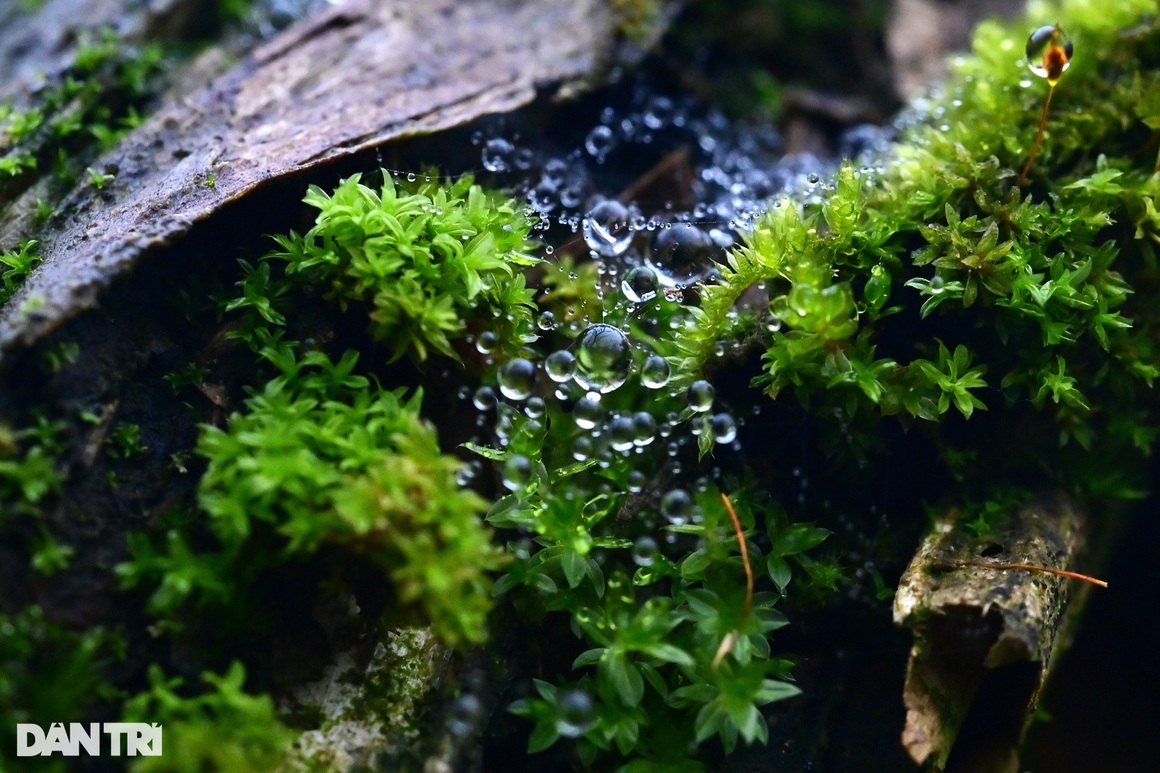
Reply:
x=94, y=738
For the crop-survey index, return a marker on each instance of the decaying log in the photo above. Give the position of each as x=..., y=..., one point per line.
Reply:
x=353, y=77
x=983, y=636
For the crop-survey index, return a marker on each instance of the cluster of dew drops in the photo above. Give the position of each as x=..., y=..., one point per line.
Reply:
x=645, y=254
x=643, y=258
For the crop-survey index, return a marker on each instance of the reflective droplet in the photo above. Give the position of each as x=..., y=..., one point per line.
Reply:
x=621, y=433
x=1049, y=53
x=639, y=285
x=587, y=413
x=636, y=482
x=497, y=154
x=723, y=428
x=644, y=551
x=645, y=428
x=682, y=255
x=575, y=713
x=486, y=342
x=700, y=396
x=465, y=715
x=582, y=448
x=677, y=506
x=599, y=142
x=603, y=358
x=606, y=228
x=655, y=372
x=560, y=365
x=546, y=321
x=517, y=471
x=517, y=377
x=534, y=407
x=484, y=398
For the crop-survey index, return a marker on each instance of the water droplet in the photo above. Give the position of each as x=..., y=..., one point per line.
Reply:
x=621, y=433
x=603, y=358
x=464, y=715
x=938, y=285
x=677, y=506
x=639, y=285
x=575, y=713
x=1049, y=53
x=599, y=142
x=534, y=407
x=682, y=255
x=644, y=551
x=582, y=448
x=411, y=177
x=486, y=342
x=517, y=471
x=700, y=396
x=587, y=413
x=606, y=228
x=645, y=428
x=546, y=321
x=655, y=373
x=517, y=377
x=496, y=155
x=484, y=398
x=723, y=428
x=560, y=365
x=636, y=482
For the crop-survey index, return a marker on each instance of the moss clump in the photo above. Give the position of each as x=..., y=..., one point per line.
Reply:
x=220, y=728
x=427, y=258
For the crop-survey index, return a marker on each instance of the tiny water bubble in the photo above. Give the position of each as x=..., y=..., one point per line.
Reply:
x=621, y=433
x=677, y=506
x=723, y=428
x=645, y=428
x=636, y=482
x=575, y=713
x=486, y=342
x=534, y=408
x=599, y=142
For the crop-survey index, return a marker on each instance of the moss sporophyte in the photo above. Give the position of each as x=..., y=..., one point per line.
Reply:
x=661, y=483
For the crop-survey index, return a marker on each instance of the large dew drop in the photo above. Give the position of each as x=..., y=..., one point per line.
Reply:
x=607, y=228
x=603, y=359
x=516, y=378
x=639, y=285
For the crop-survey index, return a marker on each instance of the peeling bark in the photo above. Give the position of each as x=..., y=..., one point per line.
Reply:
x=984, y=636
x=354, y=77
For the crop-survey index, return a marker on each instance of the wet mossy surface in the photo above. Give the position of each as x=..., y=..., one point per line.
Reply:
x=908, y=314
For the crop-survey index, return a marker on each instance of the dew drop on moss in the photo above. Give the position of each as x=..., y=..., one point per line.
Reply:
x=484, y=398
x=1049, y=52
x=575, y=713
x=639, y=285
x=497, y=155
x=587, y=413
x=723, y=428
x=560, y=366
x=700, y=396
x=517, y=377
x=644, y=551
x=603, y=358
x=621, y=433
x=607, y=228
x=645, y=428
x=486, y=342
x=655, y=372
x=677, y=506
x=517, y=470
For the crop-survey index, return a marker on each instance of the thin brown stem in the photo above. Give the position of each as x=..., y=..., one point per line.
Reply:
x=1038, y=136
x=1035, y=568
x=731, y=638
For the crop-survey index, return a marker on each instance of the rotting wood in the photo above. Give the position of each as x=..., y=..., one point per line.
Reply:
x=354, y=77
x=984, y=635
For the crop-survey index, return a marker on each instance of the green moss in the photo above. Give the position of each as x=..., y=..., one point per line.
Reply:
x=220, y=728
x=17, y=265
x=428, y=259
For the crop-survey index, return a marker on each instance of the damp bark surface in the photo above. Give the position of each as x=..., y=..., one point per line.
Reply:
x=356, y=76
x=984, y=635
